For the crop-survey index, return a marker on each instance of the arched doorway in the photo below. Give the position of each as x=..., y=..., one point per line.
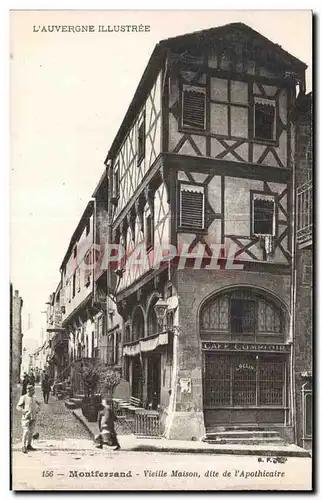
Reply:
x=245, y=358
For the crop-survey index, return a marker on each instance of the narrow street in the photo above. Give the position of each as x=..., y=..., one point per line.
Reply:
x=66, y=459
x=54, y=420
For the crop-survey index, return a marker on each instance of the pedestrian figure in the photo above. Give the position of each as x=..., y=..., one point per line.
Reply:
x=32, y=379
x=107, y=435
x=45, y=386
x=29, y=406
x=25, y=382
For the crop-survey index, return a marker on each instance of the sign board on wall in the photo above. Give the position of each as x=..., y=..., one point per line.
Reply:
x=185, y=385
x=233, y=346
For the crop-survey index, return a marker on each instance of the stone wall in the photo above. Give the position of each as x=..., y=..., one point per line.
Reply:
x=16, y=336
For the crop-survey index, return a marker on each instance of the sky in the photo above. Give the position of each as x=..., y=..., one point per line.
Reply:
x=68, y=95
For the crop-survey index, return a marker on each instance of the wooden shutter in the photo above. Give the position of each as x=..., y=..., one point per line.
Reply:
x=193, y=108
x=192, y=206
x=141, y=140
x=149, y=231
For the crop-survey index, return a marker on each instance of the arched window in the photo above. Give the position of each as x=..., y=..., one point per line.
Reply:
x=242, y=312
x=138, y=325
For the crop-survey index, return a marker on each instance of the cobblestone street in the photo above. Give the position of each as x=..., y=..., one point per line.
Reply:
x=54, y=420
x=66, y=459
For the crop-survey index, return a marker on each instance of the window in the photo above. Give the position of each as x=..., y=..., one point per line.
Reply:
x=127, y=334
x=116, y=182
x=242, y=315
x=101, y=326
x=88, y=227
x=149, y=231
x=117, y=348
x=264, y=119
x=241, y=312
x=110, y=350
x=78, y=280
x=263, y=210
x=74, y=284
x=141, y=140
x=192, y=206
x=127, y=369
x=245, y=380
x=307, y=275
x=194, y=107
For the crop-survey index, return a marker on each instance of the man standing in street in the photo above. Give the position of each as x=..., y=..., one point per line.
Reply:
x=32, y=378
x=45, y=385
x=25, y=382
x=29, y=406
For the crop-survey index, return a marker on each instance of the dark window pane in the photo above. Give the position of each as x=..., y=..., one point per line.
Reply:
x=263, y=216
x=141, y=142
x=308, y=414
x=149, y=231
x=242, y=316
x=264, y=121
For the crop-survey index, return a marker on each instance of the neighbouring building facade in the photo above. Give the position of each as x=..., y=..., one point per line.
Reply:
x=303, y=183
x=16, y=335
x=82, y=319
x=205, y=156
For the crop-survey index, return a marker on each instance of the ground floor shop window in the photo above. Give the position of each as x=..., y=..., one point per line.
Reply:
x=244, y=380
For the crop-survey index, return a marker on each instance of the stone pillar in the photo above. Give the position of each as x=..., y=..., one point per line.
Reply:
x=185, y=418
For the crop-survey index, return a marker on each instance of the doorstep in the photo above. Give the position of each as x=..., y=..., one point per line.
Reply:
x=134, y=443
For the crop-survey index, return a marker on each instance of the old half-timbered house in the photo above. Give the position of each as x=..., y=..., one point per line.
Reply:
x=108, y=322
x=78, y=309
x=203, y=161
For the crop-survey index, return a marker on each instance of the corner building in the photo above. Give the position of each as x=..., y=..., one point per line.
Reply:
x=204, y=156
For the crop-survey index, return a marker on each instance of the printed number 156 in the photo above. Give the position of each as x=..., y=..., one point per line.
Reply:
x=47, y=473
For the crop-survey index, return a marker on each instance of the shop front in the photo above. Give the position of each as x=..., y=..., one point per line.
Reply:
x=246, y=361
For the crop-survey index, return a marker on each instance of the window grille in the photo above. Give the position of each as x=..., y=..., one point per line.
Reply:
x=271, y=382
x=217, y=381
x=242, y=315
x=241, y=311
x=244, y=380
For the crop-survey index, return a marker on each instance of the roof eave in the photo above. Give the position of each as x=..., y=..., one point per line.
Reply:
x=80, y=226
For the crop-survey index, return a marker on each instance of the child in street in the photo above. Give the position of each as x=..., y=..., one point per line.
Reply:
x=105, y=421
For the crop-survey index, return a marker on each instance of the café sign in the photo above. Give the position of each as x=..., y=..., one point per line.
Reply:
x=240, y=346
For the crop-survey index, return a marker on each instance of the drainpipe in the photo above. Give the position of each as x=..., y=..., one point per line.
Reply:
x=293, y=291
